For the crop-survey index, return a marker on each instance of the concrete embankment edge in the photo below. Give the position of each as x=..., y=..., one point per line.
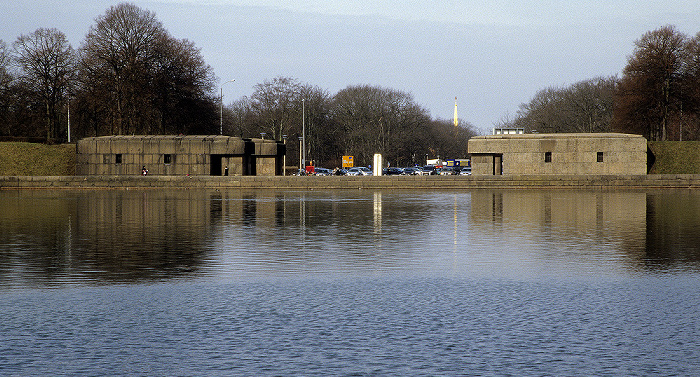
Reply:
x=687, y=181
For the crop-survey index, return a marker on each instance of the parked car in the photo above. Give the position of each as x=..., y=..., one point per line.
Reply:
x=411, y=171
x=360, y=170
x=322, y=171
x=428, y=170
x=446, y=170
x=392, y=171
x=466, y=171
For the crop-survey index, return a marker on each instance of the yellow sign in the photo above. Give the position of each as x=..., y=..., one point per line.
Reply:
x=348, y=162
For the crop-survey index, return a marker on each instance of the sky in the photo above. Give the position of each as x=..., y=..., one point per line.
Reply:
x=491, y=55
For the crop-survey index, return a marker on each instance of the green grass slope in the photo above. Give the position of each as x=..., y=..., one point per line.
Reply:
x=675, y=157
x=18, y=158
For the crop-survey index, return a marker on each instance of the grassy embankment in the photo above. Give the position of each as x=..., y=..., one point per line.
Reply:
x=18, y=159
x=675, y=157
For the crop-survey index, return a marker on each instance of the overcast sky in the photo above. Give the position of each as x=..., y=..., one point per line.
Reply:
x=491, y=55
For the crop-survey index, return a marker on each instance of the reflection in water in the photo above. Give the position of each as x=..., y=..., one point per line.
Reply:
x=377, y=212
x=349, y=282
x=673, y=229
x=55, y=237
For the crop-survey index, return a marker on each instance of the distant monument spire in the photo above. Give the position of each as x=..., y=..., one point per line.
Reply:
x=456, y=119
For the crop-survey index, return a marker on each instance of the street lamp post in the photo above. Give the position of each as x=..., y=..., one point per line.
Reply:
x=221, y=100
x=284, y=158
x=303, y=132
x=300, y=160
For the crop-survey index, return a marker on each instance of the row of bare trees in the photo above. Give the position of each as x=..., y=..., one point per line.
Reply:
x=658, y=95
x=586, y=106
x=358, y=120
x=129, y=76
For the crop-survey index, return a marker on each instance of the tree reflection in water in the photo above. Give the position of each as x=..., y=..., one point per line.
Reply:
x=54, y=237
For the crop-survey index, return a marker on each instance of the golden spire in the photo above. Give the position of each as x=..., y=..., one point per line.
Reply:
x=456, y=119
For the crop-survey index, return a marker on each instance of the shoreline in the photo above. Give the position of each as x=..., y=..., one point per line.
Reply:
x=651, y=181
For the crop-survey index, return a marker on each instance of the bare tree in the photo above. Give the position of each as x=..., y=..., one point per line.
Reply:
x=238, y=118
x=689, y=117
x=541, y=113
x=586, y=106
x=183, y=85
x=5, y=88
x=46, y=63
x=5, y=61
x=283, y=106
x=274, y=104
x=116, y=58
x=649, y=95
x=136, y=78
x=378, y=120
x=590, y=105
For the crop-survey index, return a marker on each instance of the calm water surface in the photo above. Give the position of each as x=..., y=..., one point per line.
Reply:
x=361, y=282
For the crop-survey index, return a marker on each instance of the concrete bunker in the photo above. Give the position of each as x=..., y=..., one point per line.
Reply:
x=179, y=155
x=559, y=154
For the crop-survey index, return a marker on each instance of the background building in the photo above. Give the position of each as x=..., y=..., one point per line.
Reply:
x=576, y=154
x=179, y=155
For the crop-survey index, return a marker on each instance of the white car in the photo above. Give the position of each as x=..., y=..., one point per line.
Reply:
x=466, y=171
x=322, y=171
x=361, y=170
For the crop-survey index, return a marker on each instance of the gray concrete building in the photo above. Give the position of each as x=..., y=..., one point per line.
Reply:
x=559, y=154
x=179, y=155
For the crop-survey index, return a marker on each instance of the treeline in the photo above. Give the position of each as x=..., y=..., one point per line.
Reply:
x=658, y=95
x=358, y=121
x=130, y=76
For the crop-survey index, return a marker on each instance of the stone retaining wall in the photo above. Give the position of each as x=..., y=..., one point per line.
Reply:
x=386, y=182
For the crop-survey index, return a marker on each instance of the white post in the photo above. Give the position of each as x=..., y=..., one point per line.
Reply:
x=377, y=167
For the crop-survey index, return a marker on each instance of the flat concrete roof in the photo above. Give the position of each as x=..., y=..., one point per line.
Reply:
x=609, y=135
x=185, y=137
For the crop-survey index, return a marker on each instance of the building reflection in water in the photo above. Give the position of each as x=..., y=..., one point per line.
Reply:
x=673, y=229
x=651, y=230
x=57, y=236
x=107, y=235
x=377, y=212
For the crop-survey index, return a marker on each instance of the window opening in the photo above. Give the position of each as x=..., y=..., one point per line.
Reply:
x=167, y=158
x=547, y=156
x=600, y=157
x=118, y=158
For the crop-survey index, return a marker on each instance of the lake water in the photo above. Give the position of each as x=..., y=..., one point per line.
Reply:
x=356, y=283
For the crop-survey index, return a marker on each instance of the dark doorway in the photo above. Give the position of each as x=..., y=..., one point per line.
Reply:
x=216, y=164
x=498, y=164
